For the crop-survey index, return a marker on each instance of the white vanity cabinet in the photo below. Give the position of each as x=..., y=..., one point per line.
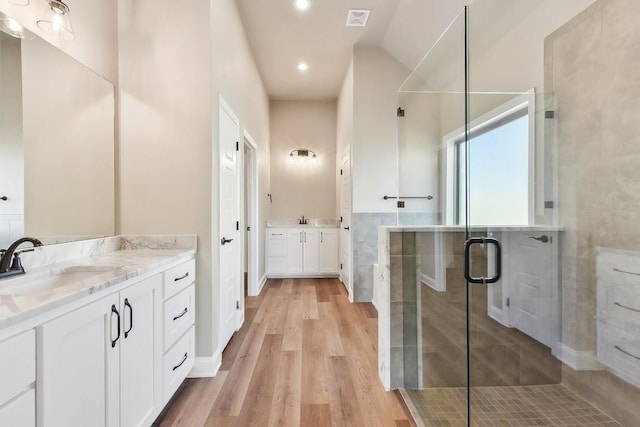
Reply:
x=302, y=252
x=328, y=251
x=618, y=308
x=17, y=380
x=100, y=364
x=178, y=324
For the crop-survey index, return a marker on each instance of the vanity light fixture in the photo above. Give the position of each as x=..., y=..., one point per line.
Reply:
x=55, y=20
x=12, y=27
x=303, y=66
x=303, y=153
x=302, y=4
x=19, y=2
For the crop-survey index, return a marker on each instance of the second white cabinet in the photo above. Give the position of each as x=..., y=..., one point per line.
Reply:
x=302, y=252
x=106, y=358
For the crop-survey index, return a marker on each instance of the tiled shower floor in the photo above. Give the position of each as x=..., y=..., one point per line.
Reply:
x=539, y=405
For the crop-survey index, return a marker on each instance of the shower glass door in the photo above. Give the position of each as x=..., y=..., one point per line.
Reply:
x=519, y=158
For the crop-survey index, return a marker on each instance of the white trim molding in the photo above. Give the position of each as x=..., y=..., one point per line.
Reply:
x=580, y=360
x=206, y=367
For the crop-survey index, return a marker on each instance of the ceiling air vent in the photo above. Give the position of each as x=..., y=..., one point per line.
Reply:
x=358, y=17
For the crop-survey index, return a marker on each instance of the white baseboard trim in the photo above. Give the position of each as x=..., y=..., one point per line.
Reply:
x=263, y=280
x=206, y=367
x=430, y=282
x=373, y=303
x=580, y=360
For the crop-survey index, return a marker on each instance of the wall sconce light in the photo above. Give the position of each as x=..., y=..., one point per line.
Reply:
x=302, y=152
x=55, y=20
x=15, y=29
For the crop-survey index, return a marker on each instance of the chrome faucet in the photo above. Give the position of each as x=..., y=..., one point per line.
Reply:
x=9, y=267
x=302, y=221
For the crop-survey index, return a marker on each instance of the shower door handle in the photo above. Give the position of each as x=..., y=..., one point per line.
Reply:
x=467, y=260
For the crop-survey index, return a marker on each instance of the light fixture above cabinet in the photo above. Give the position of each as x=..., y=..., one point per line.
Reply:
x=55, y=20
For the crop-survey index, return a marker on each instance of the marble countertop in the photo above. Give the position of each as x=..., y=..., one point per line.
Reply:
x=23, y=297
x=311, y=223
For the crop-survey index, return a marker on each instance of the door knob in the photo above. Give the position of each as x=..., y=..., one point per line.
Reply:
x=544, y=238
x=224, y=241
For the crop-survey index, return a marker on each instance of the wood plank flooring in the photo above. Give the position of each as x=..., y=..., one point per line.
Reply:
x=305, y=357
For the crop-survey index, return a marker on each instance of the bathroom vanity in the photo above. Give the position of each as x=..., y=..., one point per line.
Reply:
x=98, y=332
x=302, y=250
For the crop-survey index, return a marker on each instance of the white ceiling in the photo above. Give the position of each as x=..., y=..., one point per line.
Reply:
x=281, y=36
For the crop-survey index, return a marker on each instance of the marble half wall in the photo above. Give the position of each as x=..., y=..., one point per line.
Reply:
x=364, y=228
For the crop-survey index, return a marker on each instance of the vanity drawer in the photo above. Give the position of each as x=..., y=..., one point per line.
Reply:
x=618, y=266
x=179, y=315
x=179, y=277
x=276, y=234
x=21, y=412
x=178, y=363
x=18, y=359
x=619, y=303
x=620, y=351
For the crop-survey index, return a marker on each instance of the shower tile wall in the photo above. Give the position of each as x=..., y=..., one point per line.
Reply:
x=591, y=66
x=364, y=227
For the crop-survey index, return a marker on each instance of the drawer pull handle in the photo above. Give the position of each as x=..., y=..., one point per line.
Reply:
x=628, y=308
x=181, y=277
x=184, y=359
x=626, y=272
x=276, y=234
x=626, y=352
x=181, y=314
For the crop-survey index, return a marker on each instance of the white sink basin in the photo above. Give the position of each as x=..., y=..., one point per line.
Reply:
x=74, y=274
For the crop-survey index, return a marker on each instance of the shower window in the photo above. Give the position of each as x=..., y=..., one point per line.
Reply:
x=500, y=167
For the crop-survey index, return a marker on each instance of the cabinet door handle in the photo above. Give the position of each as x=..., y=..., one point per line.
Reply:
x=114, y=310
x=185, y=311
x=305, y=236
x=346, y=228
x=127, y=304
x=321, y=237
x=184, y=359
x=301, y=237
x=181, y=277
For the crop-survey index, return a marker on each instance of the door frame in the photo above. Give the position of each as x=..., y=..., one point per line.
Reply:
x=250, y=197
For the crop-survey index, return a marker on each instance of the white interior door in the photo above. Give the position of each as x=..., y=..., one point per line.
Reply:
x=230, y=256
x=530, y=287
x=345, y=227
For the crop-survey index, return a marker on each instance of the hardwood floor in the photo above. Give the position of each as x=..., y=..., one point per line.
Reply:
x=304, y=357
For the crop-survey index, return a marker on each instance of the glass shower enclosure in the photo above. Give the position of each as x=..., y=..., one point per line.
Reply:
x=519, y=204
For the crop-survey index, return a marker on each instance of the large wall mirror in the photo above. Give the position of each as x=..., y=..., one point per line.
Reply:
x=57, y=173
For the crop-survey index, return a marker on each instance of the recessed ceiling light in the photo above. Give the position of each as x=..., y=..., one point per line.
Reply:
x=302, y=4
x=357, y=17
x=303, y=66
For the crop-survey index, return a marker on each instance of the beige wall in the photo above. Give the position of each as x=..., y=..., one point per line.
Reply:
x=377, y=77
x=303, y=186
x=344, y=126
x=170, y=82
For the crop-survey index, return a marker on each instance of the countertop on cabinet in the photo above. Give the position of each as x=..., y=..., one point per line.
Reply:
x=111, y=269
x=311, y=223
